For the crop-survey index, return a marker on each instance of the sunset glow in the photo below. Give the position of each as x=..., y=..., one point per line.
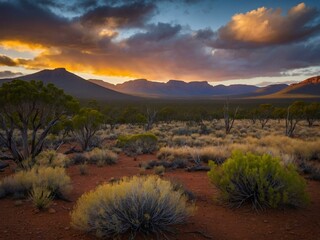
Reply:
x=189, y=40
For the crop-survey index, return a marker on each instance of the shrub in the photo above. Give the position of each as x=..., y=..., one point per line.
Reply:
x=80, y=158
x=139, y=204
x=101, y=157
x=259, y=180
x=138, y=143
x=56, y=179
x=159, y=170
x=217, y=154
x=20, y=184
x=51, y=158
x=41, y=197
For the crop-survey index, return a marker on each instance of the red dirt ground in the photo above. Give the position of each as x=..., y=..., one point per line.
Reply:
x=211, y=220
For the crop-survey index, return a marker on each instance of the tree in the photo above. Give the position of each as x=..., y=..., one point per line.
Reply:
x=264, y=113
x=132, y=115
x=150, y=116
x=111, y=116
x=228, y=118
x=28, y=111
x=279, y=113
x=312, y=112
x=166, y=114
x=85, y=125
x=295, y=113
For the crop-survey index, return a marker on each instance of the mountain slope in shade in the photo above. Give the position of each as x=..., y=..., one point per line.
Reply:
x=103, y=84
x=73, y=85
x=176, y=88
x=310, y=86
x=267, y=90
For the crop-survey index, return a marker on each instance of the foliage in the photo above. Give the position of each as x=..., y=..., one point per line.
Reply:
x=132, y=115
x=264, y=113
x=159, y=170
x=312, y=112
x=51, y=158
x=139, y=204
x=85, y=125
x=259, y=180
x=30, y=106
x=138, y=143
x=101, y=156
x=295, y=113
x=54, y=179
x=41, y=197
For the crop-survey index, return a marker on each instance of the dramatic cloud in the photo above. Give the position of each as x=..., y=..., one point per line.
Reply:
x=132, y=15
x=9, y=74
x=267, y=27
x=6, y=61
x=263, y=42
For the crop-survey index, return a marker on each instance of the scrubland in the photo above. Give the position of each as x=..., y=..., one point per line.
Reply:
x=179, y=180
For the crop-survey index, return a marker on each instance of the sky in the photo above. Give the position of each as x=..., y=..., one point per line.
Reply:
x=227, y=42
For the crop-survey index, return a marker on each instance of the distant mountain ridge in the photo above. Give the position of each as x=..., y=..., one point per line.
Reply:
x=134, y=89
x=176, y=88
x=73, y=85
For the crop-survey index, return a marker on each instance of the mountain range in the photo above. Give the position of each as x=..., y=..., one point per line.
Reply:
x=177, y=88
x=73, y=85
x=135, y=89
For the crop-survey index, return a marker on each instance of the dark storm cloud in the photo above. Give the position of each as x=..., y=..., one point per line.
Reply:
x=162, y=50
x=131, y=15
x=9, y=74
x=268, y=61
x=6, y=61
x=25, y=21
x=155, y=33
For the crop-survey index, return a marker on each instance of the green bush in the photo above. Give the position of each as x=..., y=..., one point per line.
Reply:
x=138, y=204
x=41, y=197
x=138, y=143
x=20, y=184
x=258, y=180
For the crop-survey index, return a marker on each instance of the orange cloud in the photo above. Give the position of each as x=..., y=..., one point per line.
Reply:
x=22, y=46
x=268, y=26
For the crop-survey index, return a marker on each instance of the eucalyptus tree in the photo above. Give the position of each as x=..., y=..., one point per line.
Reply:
x=28, y=112
x=86, y=123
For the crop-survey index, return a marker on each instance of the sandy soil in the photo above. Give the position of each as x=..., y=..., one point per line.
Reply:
x=211, y=220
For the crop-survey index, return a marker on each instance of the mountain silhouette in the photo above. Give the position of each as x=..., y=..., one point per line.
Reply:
x=73, y=85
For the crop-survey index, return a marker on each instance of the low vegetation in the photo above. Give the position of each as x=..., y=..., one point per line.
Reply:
x=138, y=143
x=260, y=181
x=101, y=157
x=54, y=180
x=41, y=197
x=144, y=205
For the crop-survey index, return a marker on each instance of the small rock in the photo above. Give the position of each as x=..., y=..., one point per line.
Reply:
x=66, y=228
x=18, y=203
x=51, y=210
x=265, y=221
x=36, y=210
